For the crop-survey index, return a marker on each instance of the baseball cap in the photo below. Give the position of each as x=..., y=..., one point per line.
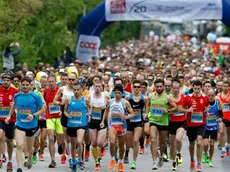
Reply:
x=61, y=70
x=29, y=73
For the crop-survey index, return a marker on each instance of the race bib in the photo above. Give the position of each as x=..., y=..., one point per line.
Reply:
x=226, y=108
x=24, y=114
x=137, y=113
x=157, y=112
x=178, y=114
x=116, y=119
x=96, y=114
x=76, y=118
x=211, y=120
x=54, y=109
x=197, y=117
x=4, y=112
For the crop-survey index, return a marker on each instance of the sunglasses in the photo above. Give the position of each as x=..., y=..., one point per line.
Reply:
x=70, y=79
x=136, y=86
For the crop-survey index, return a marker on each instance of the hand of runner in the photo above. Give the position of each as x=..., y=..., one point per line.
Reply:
x=191, y=109
x=164, y=110
x=123, y=117
x=219, y=119
x=102, y=125
x=145, y=116
x=7, y=120
x=69, y=115
x=30, y=117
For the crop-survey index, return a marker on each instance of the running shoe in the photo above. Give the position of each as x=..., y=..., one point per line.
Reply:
x=121, y=167
x=87, y=154
x=204, y=158
x=174, y=166
x=223, y=154
x=34, y=159
x=126, y=159
x=52, y=164
x=199, y=168
x=63, y=159
x=25, y=162
x=180, y=158
x=134, y=165
x=142, y=150
x=102, y=152
x=30, y=163
x=4, y=158
x=60, y=149
x=154, y=166
x=210, y=163
x=97, y=166
x=9, y=167
x=160, y=162
x=19, y=170
x=41, y=158
x=80, y=165
x=112, y=164
x=192, y=166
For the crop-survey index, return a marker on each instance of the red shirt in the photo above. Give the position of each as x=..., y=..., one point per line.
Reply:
x=128, y=88
x=6, y=99
x=179, y=116
x=51, y=111
x=197, y=118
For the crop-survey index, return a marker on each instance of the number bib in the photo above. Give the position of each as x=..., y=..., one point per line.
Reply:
x=24, y=114
x=96, y=114
x=76, y=118
x=197, y=117
x=4, y=112
x=54, y=109
x=137, y=113
x=226, y=108
x=116, y=119
x=211, y=120
x=157, y=112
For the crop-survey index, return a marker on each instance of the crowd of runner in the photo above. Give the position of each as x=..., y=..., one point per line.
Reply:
x=136, y=95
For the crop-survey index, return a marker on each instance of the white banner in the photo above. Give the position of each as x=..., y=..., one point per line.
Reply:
x=163, y=10
x=87, y=47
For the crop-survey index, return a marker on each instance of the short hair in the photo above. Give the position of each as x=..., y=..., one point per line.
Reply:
x=226, y=82
x=96, y=76
x=17, y=76
x=26, y=78
x=197, y=83
x=52, y=76
x=159, y=80
x=64, y=74
x=207, y=82
x=136, y=81
x=144, y=84
x=175, y=80
x=118, y=87
x=117, y=79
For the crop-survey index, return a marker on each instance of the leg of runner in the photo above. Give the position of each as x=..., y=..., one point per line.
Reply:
x=179, y=138
x=163, y=135
x=26, y=153
x=73, y=141
x=101, y=136
x=36, y=147
x=87, y=145
x=43, y=136
x=50, y=133
x=80, y=139
x=211, y=152
x=199, y=150
x=60, y=138
x=142, y=142
x=146, y=131
x=153, y=137
x=137, y=134
x=10, y=148
x=205, y=153
x=228, y=140
x=222, y=139
x=121, y=140
x=2, y=143
x=30, y=143
x=113, y=142
x=95, y=151
x=172, y=141
x=20, y=138
x=128, y=144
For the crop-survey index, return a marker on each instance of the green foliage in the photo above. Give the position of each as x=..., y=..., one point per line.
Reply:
x=45, y=27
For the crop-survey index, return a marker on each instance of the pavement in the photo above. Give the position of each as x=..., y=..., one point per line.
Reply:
x=144, y=163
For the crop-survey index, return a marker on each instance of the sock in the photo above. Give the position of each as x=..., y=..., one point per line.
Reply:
x=174, y=160
x=199, y=163
x=87, y=146
x=95, y=153
x=120, y=161
x=9, y=161
x=34, y=154
x=126, y=153
x=192, y=159
x=68, y=150
x=141, y=142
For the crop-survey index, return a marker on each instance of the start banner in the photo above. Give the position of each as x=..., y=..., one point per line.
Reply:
x=87, y=47
x=163, y=10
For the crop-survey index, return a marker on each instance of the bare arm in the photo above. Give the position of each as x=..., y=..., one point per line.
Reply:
x=130, y=110
x=66, y=108
x=58, y=96
x=172, y=103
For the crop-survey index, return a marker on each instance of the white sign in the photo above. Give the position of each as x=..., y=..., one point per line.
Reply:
x=87, y=47
x=163, y=10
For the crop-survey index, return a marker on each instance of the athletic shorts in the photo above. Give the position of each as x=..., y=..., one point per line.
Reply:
x=42, y=124
x=159, y=127
x=174, y=126
x=212, y=134
x=54, y=124
x=29, y=132
x=72, y=132
x=226, y=122
x=146, y=120
x=96, y=126
x=8, y=129
x=121, y=131
x=132, y=126
x=64, y=121
x=193, y=132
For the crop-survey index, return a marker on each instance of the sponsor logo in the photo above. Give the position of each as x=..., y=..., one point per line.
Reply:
x=211, y=6
x=88, y=45
x=118, y=6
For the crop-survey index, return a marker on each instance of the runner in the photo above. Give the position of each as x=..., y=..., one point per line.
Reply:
x=53, y=120
x=28, y=105
x=211, y=129
x=158, y=119
x=6, y=130
x=139, y=103
x=117, y=116
x=76, y=112
x=177, y=124
x=97, y=102
x=195, y=124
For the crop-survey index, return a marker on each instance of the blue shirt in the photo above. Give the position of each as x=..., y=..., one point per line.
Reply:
x=211, y=119
x=27, y=104
x=79, y=113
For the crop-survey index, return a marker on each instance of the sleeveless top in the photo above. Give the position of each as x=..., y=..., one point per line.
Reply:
x=137, y=109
